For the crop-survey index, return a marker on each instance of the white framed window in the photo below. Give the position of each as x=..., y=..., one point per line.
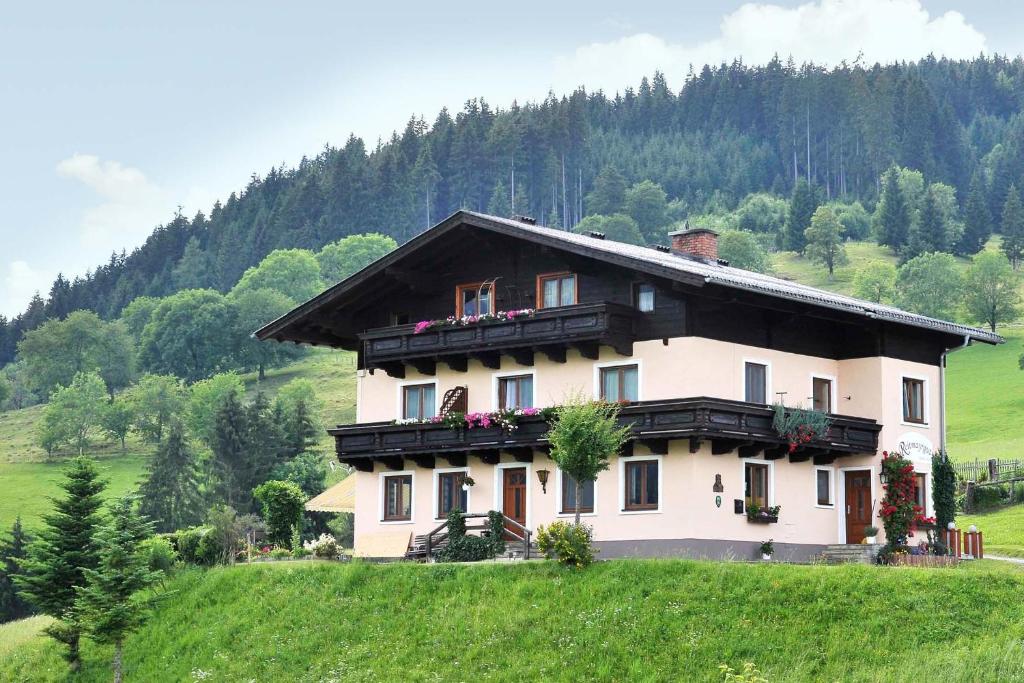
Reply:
x=397, y=497
x=758, y=482
x=640, y=485
x=914, y=393
x=824, y=487
x=823, y=393
x=643, y=297
x=565, y=496
x=417, y=399
x=449, y=492
x=513, y=389
x=618, y=381
x=757, y=381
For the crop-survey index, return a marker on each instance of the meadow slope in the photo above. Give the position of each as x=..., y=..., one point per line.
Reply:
x=626, y=620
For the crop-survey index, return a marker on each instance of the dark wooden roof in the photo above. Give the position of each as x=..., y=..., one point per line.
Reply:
x=296, y=325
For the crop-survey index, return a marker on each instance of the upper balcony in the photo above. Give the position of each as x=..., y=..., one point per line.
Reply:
x=728, y=426
x=550, y=331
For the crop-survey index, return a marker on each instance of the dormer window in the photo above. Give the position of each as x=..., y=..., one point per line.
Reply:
x=473, y=299
x=556, y=289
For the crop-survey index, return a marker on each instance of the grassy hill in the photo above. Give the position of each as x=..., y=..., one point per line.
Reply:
x=28, y=477
x=626, y=620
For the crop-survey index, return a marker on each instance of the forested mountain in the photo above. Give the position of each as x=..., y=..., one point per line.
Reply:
x=728, y=132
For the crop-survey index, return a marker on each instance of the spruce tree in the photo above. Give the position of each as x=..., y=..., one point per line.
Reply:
x=929, y=233
x=1013, y=228
x=230, y=457
x=171, y=495
x=892, y=217
x=300, y=430
x=802, y=206
x=265, y=439
x=609, y=193
x=113, y=602
x=977, y=220
x=65, y=549
x=12, y=552
x=500, y=204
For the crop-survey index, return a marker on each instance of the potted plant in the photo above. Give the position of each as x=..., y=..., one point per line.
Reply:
x=767, y=550
x=467, y=481
x=763, y=515
x=870, y=534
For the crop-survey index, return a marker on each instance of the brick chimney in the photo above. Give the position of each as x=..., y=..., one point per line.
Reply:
x=700, y=243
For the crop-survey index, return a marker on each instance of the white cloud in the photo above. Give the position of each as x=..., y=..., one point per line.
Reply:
x=130, y=207
x=20, y=283
x=826, y=31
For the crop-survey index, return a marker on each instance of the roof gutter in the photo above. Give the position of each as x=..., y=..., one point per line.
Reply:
x=942, y=391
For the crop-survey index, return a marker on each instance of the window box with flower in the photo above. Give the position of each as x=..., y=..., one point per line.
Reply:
x=763, y=515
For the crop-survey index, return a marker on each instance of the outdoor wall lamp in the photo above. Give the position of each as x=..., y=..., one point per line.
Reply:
x=542, y=476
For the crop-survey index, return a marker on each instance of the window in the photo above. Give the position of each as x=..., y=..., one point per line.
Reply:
x=756, y=484
x=400, y=319
x=823, y=481
x=913, y=400
x=472, y=300
x=418, y=401
x=643, y=297
x=569, y=495
x=620, y=383
x=398, y=498
x=556, y=289
x=450, y=494
x=822, y=394
x=642, y=485
x=515, y=392
x=755, y=381
x=921, y=491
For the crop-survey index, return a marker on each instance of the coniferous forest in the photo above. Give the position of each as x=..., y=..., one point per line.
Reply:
x=727, y=132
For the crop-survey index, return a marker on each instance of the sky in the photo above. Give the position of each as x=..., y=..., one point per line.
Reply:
x=115, y=114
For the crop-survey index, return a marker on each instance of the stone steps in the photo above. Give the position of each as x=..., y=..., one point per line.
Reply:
x=850, y=554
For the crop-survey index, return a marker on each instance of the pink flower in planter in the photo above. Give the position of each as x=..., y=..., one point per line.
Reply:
x=422, y=326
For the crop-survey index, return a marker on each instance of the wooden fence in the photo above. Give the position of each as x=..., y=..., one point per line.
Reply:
x=989, y=470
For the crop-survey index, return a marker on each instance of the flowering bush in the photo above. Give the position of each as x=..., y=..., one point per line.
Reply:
x=452, y=321
x=326, y=546
x=798, y=426
x=570, y=544
x=899, y=510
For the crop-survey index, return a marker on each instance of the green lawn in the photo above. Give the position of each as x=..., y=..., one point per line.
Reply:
x=789, y=265
x=625, y=620
x=1003, y=529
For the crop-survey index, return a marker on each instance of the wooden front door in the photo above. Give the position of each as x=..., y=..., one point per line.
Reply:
x=513, y=498
x=858, y=504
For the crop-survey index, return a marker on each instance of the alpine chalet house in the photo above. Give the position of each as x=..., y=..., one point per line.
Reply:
x=480, y=315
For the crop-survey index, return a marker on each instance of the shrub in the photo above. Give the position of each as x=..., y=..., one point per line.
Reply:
x=324, y=547
x=280, y=553
x=210, y=550
x=570, y=544
x=463, y=548
x=283, y=503
x=188, y=543
x=160, y=554
x=199, y=545
x=299, y=552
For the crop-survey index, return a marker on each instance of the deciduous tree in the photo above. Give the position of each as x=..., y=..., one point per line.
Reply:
x=876, y=281
x=931, y=285
x=990, y=289
x=825, y=240
x=338, y=260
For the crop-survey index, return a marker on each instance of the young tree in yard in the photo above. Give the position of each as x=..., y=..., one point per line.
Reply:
x=742, y=250
x=892, y=215
x=346, y=257
x=113, y=601
x=930, y=284
x=61, y=553
x=282, y=503
x=802, y=206
x=12, y=551
x=171, y=495
x=876, y=281
x=155, y=400
x=1013, y=228
x=583, y=437
x=825, y=240
x=117, y=419
x=74, y=412
x=990, y=289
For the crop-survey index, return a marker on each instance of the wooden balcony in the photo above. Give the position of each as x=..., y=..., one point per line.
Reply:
x=729, y=426
x=550, y=331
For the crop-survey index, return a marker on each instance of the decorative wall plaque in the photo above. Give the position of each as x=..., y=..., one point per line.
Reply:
x=718, y=487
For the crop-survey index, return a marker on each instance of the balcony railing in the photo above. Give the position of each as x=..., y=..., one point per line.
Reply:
x=745, y=428
x=549, y=331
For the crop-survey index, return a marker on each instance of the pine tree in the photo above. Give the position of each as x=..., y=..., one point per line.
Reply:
x=977, y=220
x=300, y=430
x=1013, y=228
x=929, y=234
x=500, y=204
x=65, y=549
x=230, y=459
x=265, y=442
x=609, y=193
x=892, y=217
x=12, y=551
x=112, y=602
x=171, y=495
x=802, y=206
